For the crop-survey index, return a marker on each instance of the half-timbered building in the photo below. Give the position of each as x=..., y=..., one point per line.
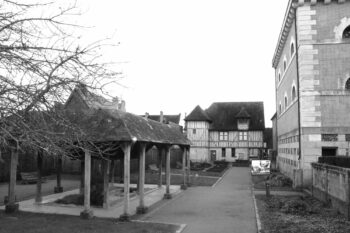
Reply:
x=226, y=131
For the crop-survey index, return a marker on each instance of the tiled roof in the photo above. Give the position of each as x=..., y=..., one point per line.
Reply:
x=106, y=125
x=224, y=115
x=167, y=118
x=198, y=114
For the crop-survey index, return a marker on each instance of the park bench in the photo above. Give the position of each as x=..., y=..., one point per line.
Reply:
x=153, y=168
x=30, y=177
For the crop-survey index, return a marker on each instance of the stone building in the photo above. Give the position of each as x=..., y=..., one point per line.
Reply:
x=226, y=131
x=312, y=71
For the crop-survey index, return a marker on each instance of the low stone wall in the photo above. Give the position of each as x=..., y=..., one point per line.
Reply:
x=330, y=184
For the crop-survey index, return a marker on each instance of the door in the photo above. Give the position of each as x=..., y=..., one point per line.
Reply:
x=213, y=155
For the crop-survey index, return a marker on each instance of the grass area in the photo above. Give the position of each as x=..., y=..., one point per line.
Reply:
x=45, y=223
x=295, y=214
x=176, y=179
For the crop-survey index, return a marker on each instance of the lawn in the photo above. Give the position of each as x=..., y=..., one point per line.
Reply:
x=295, y=214
x=177, y=179
x=45, y=223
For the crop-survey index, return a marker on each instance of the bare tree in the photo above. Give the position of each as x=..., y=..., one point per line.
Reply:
x=40, y=63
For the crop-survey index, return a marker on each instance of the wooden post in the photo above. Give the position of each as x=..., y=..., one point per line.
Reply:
x=160, y=167
x=112, y=171
x=126, y=215
x=12, y=206
x=188, y=168
x=38, y=196
x=82, y=175
x=184, y=152
x=87, y=213
x=167, y=194
x=106, y=167
x=59, y=188
x=142, y=209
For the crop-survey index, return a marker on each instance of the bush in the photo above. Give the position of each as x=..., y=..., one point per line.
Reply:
x=340, y=161
x=279, y=180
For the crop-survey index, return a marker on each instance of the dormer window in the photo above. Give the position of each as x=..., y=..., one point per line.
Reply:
x=243, y=124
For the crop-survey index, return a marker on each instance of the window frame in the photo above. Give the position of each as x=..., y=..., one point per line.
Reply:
x=243, y=136
x=223, y=136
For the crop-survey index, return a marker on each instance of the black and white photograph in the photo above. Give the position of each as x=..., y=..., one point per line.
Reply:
x=164, y=116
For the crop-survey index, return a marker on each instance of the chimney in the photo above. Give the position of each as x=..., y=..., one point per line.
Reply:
x=161, y=117
x=146, y=115
x=122, y=106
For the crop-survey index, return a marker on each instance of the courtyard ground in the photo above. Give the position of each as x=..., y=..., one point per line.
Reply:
x=227, y=207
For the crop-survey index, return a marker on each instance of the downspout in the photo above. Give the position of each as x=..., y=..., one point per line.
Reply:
x=298, y=80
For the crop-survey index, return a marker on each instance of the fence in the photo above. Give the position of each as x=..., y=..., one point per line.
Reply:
x=331, y=185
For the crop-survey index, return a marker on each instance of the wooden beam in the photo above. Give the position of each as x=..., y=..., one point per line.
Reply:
x=82, y=167
x=106, y=166
x=188, y=167
x=87, y=213
x=142, y=209
x=59, y=188
x=167, y=194
x=38, y=196
x=184, y=151
x=126, y=215
x=112, y=173
x=12, y=206
x=160, y=167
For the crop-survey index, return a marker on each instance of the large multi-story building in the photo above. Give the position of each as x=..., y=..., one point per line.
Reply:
x=312, y=77
x=226, y=131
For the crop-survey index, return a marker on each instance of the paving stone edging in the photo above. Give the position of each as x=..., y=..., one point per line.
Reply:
x=257, y=217
x=181, y=226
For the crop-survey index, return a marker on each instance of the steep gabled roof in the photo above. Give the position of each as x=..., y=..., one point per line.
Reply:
x=198, y=114
x=243, y=114
x=224, y=115
x=83, y=98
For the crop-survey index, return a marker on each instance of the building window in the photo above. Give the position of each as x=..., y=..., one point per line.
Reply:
x=346, y=33
x=223, y=152
x=285, y=102
x=347, y=84
x=329, y=137
x=284, y=65
x=194, y=131
x=243, y=135
x=223, y=136
x=292, y=49
x=294, y=94
x=347, y=137
x=243, y=124
x=280, y=108
x=233, y=152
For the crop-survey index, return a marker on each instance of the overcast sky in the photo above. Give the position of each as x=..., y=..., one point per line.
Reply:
x=176, y=55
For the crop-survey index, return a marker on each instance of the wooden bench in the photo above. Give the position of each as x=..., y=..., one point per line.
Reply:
x=153, y=168
x=30, y=177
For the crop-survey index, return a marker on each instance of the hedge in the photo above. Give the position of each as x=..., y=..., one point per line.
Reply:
x=340, y=161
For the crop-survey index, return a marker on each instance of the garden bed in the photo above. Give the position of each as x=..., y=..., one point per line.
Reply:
x=276, y=180
x=34, y=223
x=296, y=214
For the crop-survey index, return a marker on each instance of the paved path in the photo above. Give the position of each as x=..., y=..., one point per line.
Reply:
x=228, y=207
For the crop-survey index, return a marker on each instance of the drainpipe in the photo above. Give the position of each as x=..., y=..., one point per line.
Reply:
x=298, y=80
